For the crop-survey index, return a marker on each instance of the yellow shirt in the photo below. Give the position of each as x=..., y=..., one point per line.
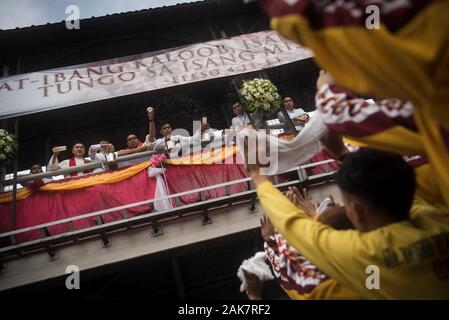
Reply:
x=327, y=290
x=411, y=64
x=412, y=256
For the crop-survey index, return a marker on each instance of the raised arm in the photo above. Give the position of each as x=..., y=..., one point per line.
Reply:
x=330, y=250
x=151, y=126
x=93, y=149
x=53, y=164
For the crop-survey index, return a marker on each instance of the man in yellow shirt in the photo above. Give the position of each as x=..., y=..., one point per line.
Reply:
x=389, y=255
x=406, y=56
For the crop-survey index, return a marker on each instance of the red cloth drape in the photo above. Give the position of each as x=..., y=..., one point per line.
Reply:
x=42, y=207
x=182, y=178
x=321, y=168
x=45, y=206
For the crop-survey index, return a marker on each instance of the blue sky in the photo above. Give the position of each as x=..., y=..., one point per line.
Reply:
x=22, y=13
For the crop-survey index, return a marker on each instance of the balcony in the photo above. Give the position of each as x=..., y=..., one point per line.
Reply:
x=210, y=220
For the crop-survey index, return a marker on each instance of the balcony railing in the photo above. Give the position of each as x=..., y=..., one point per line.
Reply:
x=154, y=219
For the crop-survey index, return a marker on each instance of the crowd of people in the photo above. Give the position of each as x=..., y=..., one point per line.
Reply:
x=104, y=151
x=394, y=187
x=393, y=216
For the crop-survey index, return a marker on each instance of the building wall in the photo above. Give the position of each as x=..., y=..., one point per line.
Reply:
x=208, y=258
x=46, y=47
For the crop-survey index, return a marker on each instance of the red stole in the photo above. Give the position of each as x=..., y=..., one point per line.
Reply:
x=72, y=163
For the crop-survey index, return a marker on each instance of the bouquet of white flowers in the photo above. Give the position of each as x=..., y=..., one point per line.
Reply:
x=260, y=95
x=8, y=147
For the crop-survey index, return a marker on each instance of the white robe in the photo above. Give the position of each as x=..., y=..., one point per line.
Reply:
x=97, y=155
x=161, y=144
x=161, y=190
x=293, y=114
x=64, y=165
x=240, y=122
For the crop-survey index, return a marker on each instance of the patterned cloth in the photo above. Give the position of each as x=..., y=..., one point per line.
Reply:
x=299, y=277
x=407, y=57
x=293, y=271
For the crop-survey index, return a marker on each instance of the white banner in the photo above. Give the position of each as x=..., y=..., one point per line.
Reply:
x=67, y=86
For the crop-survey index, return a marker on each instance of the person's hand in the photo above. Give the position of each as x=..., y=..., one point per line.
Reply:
x=56, y=150
x=151, y=113
x=324, y=78
x=301, y=201
x=333, y=144
x=254, y=290
x=142, y=148
x=106, y=147
x=266, y=228
x=303, y=118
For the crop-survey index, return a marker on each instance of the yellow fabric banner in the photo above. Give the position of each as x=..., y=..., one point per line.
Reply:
x=214, y=156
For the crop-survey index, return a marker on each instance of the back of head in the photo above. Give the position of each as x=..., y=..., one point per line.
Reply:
x=381, y=180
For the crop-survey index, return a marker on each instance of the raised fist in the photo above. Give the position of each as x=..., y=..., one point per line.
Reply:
x=150, y=112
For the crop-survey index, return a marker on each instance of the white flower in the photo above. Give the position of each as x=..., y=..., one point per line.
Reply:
x=9, y=138
x=2, y=156
x=2, y=143
x=8, y=149
x=260, y=95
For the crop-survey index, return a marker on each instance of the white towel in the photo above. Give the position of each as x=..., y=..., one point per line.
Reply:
x=290, y=154
x=161, y=190
x=327, y=203
x=257, y=266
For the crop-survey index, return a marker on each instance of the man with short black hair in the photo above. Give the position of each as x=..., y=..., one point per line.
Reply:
x=78, y=152
x=377, y=191
x=170, y=141
x=133, y=143
x=377, y=188
x=35, y=169
x=241, y=119
x=298, y=115
x=37, y=183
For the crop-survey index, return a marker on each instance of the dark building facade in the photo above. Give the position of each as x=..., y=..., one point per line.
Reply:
x=50, y=46
x=209, y=268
